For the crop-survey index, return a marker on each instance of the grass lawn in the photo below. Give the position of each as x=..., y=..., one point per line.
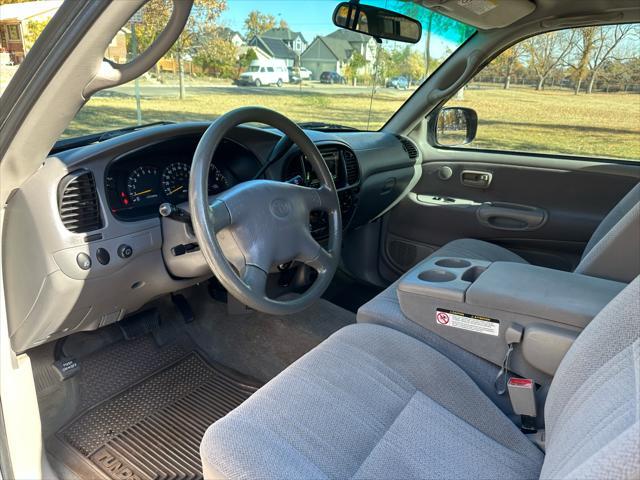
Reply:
x=600, y=124
x=103, y=113
x=517, y=119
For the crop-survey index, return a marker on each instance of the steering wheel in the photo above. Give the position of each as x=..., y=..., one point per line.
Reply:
x=246, y=231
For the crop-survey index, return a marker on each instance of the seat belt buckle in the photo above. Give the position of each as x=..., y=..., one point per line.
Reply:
x=523, y=401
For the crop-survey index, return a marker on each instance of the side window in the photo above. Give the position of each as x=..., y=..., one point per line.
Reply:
x=574, y=91
x=270, y=69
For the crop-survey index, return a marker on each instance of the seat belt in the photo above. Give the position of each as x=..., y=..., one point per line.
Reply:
x=521, y=390
x=512, y=336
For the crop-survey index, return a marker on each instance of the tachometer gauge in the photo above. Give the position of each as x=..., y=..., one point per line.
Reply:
x=217, y=181
x=143, y=185
x=175, y=181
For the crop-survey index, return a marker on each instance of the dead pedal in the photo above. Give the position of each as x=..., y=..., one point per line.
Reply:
x=140, y=324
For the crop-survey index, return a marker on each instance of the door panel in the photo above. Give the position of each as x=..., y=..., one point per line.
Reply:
x=545, y=214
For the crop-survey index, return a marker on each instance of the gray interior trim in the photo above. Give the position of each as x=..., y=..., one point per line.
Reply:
x=112, y=74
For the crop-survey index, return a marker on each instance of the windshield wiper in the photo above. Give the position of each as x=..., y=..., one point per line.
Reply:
x=69, y=143
x=327, y=127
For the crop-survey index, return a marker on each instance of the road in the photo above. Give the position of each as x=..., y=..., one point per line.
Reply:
x=155, y=90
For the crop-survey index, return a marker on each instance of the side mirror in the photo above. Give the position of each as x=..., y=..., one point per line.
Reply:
x=377, y=22
x=453, y=126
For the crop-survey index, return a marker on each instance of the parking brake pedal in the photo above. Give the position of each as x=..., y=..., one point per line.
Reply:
x=66, y=367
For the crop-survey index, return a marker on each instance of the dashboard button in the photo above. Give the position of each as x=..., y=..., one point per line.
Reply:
x=125, y=251
x=103, y=256
x=84, y=261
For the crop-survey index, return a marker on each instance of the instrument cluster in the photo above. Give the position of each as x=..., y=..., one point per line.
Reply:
x=137, y=183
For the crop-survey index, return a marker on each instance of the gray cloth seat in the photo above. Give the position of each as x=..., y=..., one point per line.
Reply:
x=612, y=251
x=371, y=402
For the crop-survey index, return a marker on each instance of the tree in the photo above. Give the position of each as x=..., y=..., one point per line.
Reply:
x=33, y=31
x=257, y=23
x=356, y=62
x=415, y=66
x=283, y=24
x=219, y=57
x=510, y=59
x=605, y=41
x=548, y=51
x=247, y=57
x=200, y=28
x=436, y=24
x=584, y=49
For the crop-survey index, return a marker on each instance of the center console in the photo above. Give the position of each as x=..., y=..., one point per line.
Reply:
x=483, y=306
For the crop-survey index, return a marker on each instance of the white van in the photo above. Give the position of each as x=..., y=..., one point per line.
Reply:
x=265, y=72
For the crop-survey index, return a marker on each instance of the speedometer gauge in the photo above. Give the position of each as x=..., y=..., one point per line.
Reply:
x=175, y=181
x=142, y=185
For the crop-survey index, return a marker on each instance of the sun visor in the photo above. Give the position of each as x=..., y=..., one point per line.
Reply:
x=482, y=14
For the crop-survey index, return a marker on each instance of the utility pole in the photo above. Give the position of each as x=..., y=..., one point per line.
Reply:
x=134, y=54
x=183, y=92
x=427, y=50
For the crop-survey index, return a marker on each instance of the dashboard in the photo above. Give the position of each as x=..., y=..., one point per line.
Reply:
x=138, y=182
x=343, y=165
x=88, y=242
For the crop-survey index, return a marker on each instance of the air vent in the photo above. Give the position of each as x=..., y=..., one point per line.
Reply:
x=78, y=202
x=351, y=163
x=409, y=147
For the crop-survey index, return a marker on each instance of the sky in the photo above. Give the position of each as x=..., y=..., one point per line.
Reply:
x=311, y=17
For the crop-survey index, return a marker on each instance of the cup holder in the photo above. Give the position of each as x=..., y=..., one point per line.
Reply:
x=436, y=276
x=472, y=274
x=453, y=263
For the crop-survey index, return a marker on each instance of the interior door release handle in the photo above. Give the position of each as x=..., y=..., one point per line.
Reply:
x=476, y=179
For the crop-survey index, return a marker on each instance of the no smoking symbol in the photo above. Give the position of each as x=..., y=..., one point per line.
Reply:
x=442, y=318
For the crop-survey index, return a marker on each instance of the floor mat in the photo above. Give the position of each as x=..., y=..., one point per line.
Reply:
x=152, y=429
x=258, y=344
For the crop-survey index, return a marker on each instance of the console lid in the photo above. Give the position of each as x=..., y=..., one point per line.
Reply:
x=562, y=297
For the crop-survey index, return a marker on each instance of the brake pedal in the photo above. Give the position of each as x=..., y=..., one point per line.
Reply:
x=183, y=307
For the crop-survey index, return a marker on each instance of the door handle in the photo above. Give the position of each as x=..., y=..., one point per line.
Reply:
x=476, y=179
x=511, y=216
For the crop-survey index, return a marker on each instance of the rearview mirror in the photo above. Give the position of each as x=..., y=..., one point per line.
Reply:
x=453, y=127
x=377, y=22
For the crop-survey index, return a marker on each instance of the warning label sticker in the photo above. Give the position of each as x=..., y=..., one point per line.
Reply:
x=465, y=321
x=479, y=7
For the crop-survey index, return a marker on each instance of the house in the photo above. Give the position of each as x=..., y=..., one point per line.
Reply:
x=274, y=48
x=294, y=40
x=279, y=43
x=231, y=35
x=364, y=44
x=21, y=23
x=15, y=22
x=332, y=53
x=326, y=55
x=117, y=48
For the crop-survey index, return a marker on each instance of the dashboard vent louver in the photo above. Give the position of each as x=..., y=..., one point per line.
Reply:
x=78, y=202
x=351, y=163
x=409, y=147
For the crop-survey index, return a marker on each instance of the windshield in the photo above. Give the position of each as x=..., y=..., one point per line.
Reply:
x=287, y=51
